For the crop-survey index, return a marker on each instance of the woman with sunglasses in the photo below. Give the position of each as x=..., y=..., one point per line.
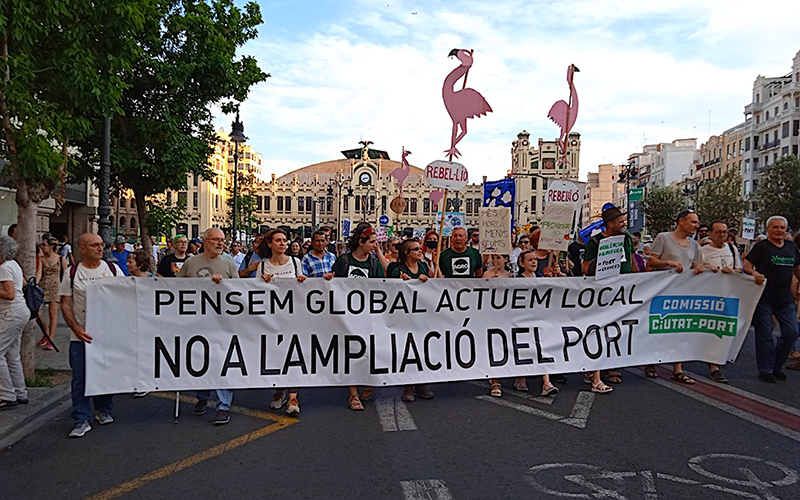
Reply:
x=411, y=266
x=523, y=244
x=361, y=262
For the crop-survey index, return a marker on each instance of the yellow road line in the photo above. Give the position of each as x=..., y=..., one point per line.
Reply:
x=280, y=422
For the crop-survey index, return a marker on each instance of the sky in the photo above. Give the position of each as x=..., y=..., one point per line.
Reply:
x=650, y=71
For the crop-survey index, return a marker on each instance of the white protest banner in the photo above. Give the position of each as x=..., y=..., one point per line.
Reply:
x=189, y=333
x=451, y=220
x=610, y=254
x=749, y=229
x=381, y=233
x=495, y=229
x=563, y=203
x=446, y=175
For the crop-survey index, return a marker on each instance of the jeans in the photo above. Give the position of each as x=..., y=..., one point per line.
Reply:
x=770, y=356
x=81, y=409
x=224, y=396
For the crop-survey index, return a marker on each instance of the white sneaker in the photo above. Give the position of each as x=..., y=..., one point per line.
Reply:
x=104, y=418
x=278, y=400
x=80, y=429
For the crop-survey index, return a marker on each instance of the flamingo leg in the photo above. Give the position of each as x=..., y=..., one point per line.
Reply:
x=454, y=140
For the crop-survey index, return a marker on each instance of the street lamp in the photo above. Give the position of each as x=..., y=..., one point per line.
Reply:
x=629, y=173
x=339, y=182
x=237, y=137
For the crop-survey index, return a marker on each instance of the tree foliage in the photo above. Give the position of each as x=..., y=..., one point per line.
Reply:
x=721, y=199
x=163, y=216
x=246, y=206
x=661, y=205
x=778, y=191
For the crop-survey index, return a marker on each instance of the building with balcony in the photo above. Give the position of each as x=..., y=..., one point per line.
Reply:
x=601, y=188
x=670, y=162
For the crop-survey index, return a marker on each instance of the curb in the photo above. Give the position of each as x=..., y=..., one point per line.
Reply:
x=47, y=407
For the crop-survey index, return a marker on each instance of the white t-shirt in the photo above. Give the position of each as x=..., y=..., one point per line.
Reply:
x=10, y=271
x=83, y=278
x=289, y=270
x=66, y=250
x=720, y=257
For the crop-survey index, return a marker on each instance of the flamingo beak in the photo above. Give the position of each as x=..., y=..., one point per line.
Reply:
x=576, y=69
x=452, y=53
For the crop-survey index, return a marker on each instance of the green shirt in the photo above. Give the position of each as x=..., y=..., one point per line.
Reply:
x=590, y=253
x=460, y=265
x=422, y=268
x=347, y=266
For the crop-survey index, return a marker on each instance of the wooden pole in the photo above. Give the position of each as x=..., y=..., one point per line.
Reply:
x=441, y=230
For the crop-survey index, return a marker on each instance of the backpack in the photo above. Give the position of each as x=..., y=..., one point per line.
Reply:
x=73, y=269
x=34, y=296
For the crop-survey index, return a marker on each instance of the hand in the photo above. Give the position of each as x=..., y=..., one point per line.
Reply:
x=252, y=267
x=267, y=277
x=327, y=276
x=301, y=278
x=726, y=270
x=675, y=265
x=82, y=335
x=423, y=277
x=759, y=278
x=216, y=278
x=699, y=269
x=404, y=277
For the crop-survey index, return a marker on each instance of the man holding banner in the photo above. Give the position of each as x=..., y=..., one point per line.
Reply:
x=460, y=260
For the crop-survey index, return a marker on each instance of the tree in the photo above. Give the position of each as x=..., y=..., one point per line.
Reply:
x=661, y=205
x=163, y=216
x=778, y=191
x=64, y=62
x=721, y=199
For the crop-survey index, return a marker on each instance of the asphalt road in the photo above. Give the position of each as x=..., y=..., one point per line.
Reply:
x=646, y=440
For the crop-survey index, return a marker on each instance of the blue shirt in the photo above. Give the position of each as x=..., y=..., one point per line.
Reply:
x=122, y=260
x=254, y=258
x=314, y=267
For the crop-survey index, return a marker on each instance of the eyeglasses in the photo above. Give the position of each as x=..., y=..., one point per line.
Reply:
x=415, y=249
x=213, y=239
x=525, y=242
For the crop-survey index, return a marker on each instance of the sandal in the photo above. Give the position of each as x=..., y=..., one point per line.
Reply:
x=366, y=393
x=497, y=390
x=792, y=355
x=521, y=385
x=601, y=388
x=650, y=371
x=614, y=376
x=355, y=403
x=682, y=378
x=794, y=365
x=587, y=378
x=717, y=376
x=549, y=390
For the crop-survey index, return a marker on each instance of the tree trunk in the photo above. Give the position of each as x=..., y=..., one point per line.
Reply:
x=27, y=209
x=144, y=228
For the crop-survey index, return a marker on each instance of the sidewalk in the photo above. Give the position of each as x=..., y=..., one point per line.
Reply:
x=45, y=403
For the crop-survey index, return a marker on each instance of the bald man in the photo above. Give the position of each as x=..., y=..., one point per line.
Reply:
x=73, y=307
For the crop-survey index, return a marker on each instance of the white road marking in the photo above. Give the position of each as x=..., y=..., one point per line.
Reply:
x=722, y=406
x=425, y=489
x=394, y=415
x=577, y=417
x=545, y=400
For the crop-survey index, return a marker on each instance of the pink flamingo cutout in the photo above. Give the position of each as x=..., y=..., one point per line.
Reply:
x=464, y=103
x=436, y=196
x=564, y=115
x=400, y=173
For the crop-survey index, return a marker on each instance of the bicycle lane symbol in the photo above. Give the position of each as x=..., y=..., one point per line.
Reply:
x=590, y=481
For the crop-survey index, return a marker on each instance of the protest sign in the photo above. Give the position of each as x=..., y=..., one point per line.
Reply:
x=345, y=229
x=563, y=203
x=381, y=233
x=451, y=220
x=189, y=333
x=495, y=230
x=749, y=229
x=610, y=254
x=446, y=175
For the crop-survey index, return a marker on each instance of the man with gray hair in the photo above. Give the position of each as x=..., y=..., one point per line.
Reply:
x=775, y=259
x=214, y=264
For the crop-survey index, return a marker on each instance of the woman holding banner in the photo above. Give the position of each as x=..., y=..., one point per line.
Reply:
x=411, y=265
x=278, y=265
x=361, y=262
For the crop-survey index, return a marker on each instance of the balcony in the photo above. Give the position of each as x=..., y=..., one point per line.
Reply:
x=769, y=145
x=752, y=107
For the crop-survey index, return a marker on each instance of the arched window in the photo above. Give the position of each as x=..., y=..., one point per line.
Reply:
x=122, y=222
x=133, y=222
x=133, y=202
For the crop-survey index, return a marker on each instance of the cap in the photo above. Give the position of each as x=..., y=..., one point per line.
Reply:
x=119, y=239
x=611, y=213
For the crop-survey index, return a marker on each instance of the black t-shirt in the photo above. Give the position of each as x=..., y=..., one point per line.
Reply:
x=170, y=265
x=575, y=251
x=777, y=265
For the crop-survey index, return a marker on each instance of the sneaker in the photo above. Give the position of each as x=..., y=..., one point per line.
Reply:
x=278, y=399
x=766, y=377
x=80, y=429
x=104, y=418
x=42, y=341
x=222, y=417
x=140, y=394
x=779, y=375
x=47, y=346
x=293, y=407
x=408, y=394
x=424, y=392
x=4, y=405
x=22, y=401
x=200, y=407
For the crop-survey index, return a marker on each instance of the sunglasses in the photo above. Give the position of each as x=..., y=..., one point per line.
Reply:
x=415, y=249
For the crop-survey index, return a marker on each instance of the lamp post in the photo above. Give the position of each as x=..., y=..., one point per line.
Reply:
x=236, y=137
x=339, y=182
x=104, y=208
x=629, y=173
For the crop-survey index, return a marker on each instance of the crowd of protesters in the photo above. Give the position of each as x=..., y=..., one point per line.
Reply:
x=692, y=247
